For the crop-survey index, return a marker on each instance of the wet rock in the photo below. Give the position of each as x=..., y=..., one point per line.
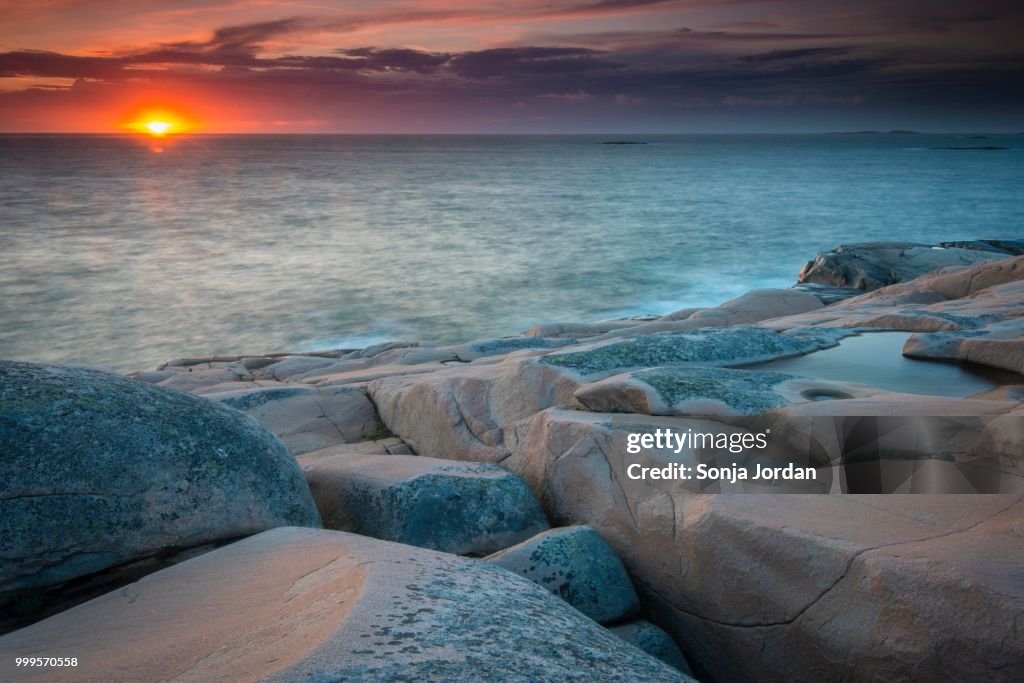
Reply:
x=577, y=565
x=315, y=605
x=654, y=641
x=462, y=508
x=99, y=470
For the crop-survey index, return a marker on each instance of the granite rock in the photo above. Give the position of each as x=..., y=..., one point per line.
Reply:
x=315, y=605
x=100, y=470
x=577, y=565
x=462, y=508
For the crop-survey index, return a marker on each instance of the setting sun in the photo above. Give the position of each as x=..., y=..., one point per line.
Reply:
x=158, y=121
x=158, y=127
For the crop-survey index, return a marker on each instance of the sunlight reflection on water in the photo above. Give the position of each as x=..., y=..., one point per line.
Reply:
x=117, y=256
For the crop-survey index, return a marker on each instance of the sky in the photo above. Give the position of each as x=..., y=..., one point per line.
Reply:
x=507, y=66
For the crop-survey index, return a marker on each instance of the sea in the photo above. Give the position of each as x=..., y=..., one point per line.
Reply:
x=123, y=252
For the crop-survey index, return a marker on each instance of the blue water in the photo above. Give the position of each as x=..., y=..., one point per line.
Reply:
x=123, y=252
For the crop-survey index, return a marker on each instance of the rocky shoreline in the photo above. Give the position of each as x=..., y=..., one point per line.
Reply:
x=408, y=512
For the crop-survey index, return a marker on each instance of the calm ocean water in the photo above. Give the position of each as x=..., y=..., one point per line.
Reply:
x=123, y=253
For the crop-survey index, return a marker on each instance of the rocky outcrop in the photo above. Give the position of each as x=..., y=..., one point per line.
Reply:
x=871, y=265
x=954, y=299
x=99, y=470
x=577, y=565
x=806, y=582
x=315, y=605
x=463, y=508
x=751, y=587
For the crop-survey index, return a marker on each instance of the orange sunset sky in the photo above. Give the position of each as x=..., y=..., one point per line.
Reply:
x=531, y=66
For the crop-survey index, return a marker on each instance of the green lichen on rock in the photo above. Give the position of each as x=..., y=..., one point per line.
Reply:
x=653, y=641
x=254, y=399
x=579, y=566
x=465, y=508
x=98, y=470
x=746, y=391
x=728, y=346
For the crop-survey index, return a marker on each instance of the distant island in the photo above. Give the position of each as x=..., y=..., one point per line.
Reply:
x=983, y=148
x=876, y=132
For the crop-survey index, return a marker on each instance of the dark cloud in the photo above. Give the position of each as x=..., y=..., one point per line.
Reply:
x=797, y=53
x=245, y=38
x=529, y=61
x=374, y=59
x=52, y=65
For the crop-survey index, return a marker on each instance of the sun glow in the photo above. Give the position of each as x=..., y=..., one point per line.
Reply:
x=158, y=122
x=158, y=128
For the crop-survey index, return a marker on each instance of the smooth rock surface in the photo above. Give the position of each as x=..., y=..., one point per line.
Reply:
x=306, y=418
x=577, y=565
x=314, y=605
x=819, y=587
x=460, y=412
x=462, y=508
x=99, y=470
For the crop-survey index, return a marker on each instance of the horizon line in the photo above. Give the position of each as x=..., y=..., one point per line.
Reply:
x=894, y=132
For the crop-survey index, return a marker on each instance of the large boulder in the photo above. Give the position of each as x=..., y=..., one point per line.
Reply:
x=577, y=565
x=457, y=507
x=315, y=605
x=461, y=412
x=98, y=470
x=871, y=265
x=799, y=587
x=307, y=418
